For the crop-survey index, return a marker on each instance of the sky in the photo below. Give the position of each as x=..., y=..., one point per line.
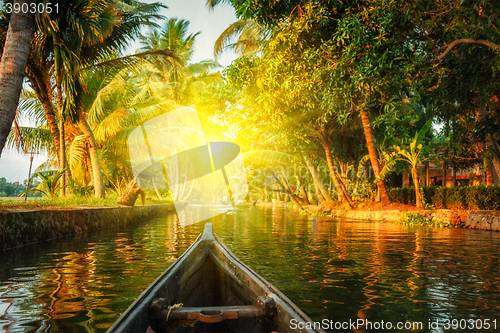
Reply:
x=15, y=167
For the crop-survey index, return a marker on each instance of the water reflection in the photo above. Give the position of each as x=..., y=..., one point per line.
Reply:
x=338, y=270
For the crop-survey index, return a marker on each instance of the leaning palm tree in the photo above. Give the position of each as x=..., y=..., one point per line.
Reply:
x=12, y=65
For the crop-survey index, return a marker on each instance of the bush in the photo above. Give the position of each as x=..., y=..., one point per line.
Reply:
x=418, y=220
x=462, y=197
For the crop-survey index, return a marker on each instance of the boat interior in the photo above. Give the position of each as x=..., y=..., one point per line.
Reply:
x=207, y=291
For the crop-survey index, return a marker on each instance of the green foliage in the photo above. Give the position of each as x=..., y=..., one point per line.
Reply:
x=8, y=189
x=360, y=187
x=416, y=219
x=81, y=191
x=417, y=149
x=462, y=197
x=50, y=183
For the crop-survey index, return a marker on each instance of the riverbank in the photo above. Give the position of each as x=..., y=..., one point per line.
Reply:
x=69, y=202
x=472, y=219
x=24, y=226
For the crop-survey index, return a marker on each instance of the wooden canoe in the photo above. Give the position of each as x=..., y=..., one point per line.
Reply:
x=218, y=293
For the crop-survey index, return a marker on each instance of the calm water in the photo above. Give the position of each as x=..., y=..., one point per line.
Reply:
x=335, y=270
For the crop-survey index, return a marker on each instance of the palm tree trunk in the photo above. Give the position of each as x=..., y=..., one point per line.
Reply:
x=63, y=162
x=323, y=193
x=445, y=174
x=495, y=161
x=301, y=189
x=320, y=197
x=344, y=197
x=418, y=197
x=62, y=157
x=373, y=158
x=48, y=110
x=489, y=172
x=88, y=177
x=286, y=188
x=12, y=66
x=426, y=170
x=342, y=182
x=303, y=192
x=183, y=189
x=94, y=158
x=156, y=188
x=131, y=193
x=177, y=181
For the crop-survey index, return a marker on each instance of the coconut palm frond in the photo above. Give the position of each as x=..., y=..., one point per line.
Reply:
x=17, y=136
x=152, y=90
x=244, y=46
x=97, y=110
x=47, y=165
x=110, y=126
x=228, y=35
x=390, y=163
x=136, y=60
x=31, y=108
x=50, y=182
x=33, y=139
x=165, y=141
x=77, y=151
x=251, y=37
x=140, y=116
x=202, y=67
x=212, y=3
x=364, y=159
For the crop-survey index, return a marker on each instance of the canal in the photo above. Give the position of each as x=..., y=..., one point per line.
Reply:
x=333, y=270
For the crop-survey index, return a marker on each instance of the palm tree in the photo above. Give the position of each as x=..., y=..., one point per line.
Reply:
x=14, y=59
x=415, y=153
x=50, y=184
x=384, y=196
x=107, y=28
x=114, y=106
x=185, y=79
x=39, y=71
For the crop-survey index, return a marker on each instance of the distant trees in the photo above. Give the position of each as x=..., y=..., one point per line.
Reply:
x=8, y=189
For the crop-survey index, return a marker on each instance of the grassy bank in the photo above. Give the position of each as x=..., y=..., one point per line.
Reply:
x=69, y=202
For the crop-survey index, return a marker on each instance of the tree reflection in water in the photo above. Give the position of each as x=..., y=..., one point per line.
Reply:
x=332, y=269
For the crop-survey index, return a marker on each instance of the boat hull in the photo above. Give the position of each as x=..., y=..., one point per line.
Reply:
x=229, y=295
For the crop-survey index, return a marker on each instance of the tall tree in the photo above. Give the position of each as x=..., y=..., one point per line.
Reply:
x=14, y=58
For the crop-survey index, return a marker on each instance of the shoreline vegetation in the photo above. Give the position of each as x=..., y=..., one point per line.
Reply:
x=70, y=202
x=403, y=214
